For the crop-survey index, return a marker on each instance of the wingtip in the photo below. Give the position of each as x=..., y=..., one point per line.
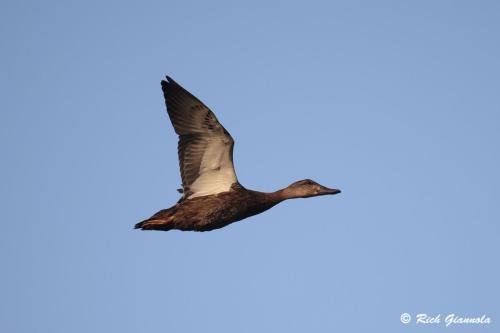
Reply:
x=168, y=81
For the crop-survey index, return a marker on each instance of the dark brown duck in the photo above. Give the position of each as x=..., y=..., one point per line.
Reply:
x=212, y=196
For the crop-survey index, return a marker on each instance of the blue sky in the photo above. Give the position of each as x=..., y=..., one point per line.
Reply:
x=396, y=103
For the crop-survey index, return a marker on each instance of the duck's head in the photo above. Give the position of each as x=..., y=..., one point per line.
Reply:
x=307, y=188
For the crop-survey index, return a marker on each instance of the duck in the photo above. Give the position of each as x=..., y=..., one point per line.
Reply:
x=212, y=196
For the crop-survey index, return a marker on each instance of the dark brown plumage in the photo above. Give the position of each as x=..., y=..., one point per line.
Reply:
x=212, y=196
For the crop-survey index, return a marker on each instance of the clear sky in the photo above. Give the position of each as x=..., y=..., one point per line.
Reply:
x=395, y=102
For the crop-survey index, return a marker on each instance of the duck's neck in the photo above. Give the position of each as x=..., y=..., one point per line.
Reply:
x=281, y=195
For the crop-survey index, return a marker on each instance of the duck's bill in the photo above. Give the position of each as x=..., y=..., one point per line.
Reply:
x=325, y=190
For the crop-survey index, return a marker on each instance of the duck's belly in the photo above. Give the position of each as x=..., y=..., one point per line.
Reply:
x=231, y=211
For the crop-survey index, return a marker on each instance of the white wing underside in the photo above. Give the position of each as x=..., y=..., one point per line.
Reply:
x=216, y=172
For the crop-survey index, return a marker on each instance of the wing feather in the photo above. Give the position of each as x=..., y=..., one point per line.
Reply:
x=205, y=148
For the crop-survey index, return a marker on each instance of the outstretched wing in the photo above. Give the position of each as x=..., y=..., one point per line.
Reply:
x=205, y=147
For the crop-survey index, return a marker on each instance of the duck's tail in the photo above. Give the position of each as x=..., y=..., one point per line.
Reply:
x=154, y=224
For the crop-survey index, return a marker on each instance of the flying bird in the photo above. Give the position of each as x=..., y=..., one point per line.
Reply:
x=212, y=197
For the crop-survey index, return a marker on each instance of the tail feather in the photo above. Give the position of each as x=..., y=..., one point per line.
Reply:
x=139, y=225
x=162, y=220
x=154, y=224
